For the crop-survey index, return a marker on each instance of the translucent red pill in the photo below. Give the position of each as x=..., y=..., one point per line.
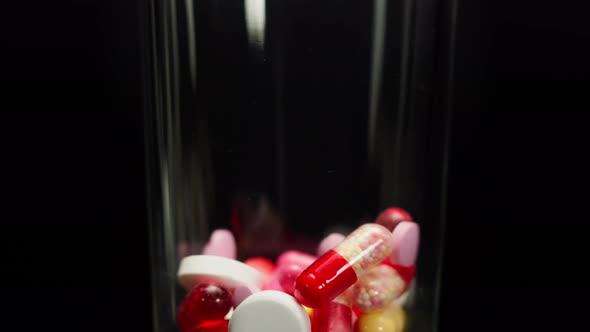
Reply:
x=334, y=317
x=204, y=306
x=212, y=326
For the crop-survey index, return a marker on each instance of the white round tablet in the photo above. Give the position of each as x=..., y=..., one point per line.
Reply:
x=269, y=311
x=229, y=273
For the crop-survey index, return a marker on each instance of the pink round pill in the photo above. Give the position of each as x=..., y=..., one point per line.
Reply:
x=221, y=243
x=294, y=257
x=242, y=292
x=406, y=239
x=286, y=275
x=273, y=284
x=329, y=243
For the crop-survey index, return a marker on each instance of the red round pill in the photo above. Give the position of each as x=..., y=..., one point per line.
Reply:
x=392, y=217
x=205, y=302
x=212, y=326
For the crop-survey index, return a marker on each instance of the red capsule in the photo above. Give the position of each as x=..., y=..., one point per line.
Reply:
x=338, y=269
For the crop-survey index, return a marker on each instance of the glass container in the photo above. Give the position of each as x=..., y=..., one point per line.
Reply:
x=284, y=121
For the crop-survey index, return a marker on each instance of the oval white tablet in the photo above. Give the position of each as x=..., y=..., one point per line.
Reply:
x=227, y=272
x=269, y=311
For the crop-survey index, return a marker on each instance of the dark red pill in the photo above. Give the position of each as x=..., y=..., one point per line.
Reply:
x=204, y=303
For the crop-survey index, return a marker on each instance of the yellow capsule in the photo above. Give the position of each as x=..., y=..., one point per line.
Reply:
x=390, y=320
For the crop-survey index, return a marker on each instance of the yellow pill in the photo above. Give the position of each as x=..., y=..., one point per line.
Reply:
x=308, y=310
x=392, y=319
x=377, y=321
x=399, y=316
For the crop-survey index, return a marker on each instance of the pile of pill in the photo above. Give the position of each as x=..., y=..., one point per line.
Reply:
x=359, y=282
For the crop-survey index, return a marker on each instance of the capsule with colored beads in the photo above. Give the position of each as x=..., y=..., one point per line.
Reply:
x=340, y=268
x=376, y=289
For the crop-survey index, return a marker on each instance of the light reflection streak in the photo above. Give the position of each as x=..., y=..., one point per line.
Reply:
x=255, y=11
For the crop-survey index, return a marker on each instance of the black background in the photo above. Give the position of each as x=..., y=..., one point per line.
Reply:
x=76, y=237
x=73, y=228
x=518, y=168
